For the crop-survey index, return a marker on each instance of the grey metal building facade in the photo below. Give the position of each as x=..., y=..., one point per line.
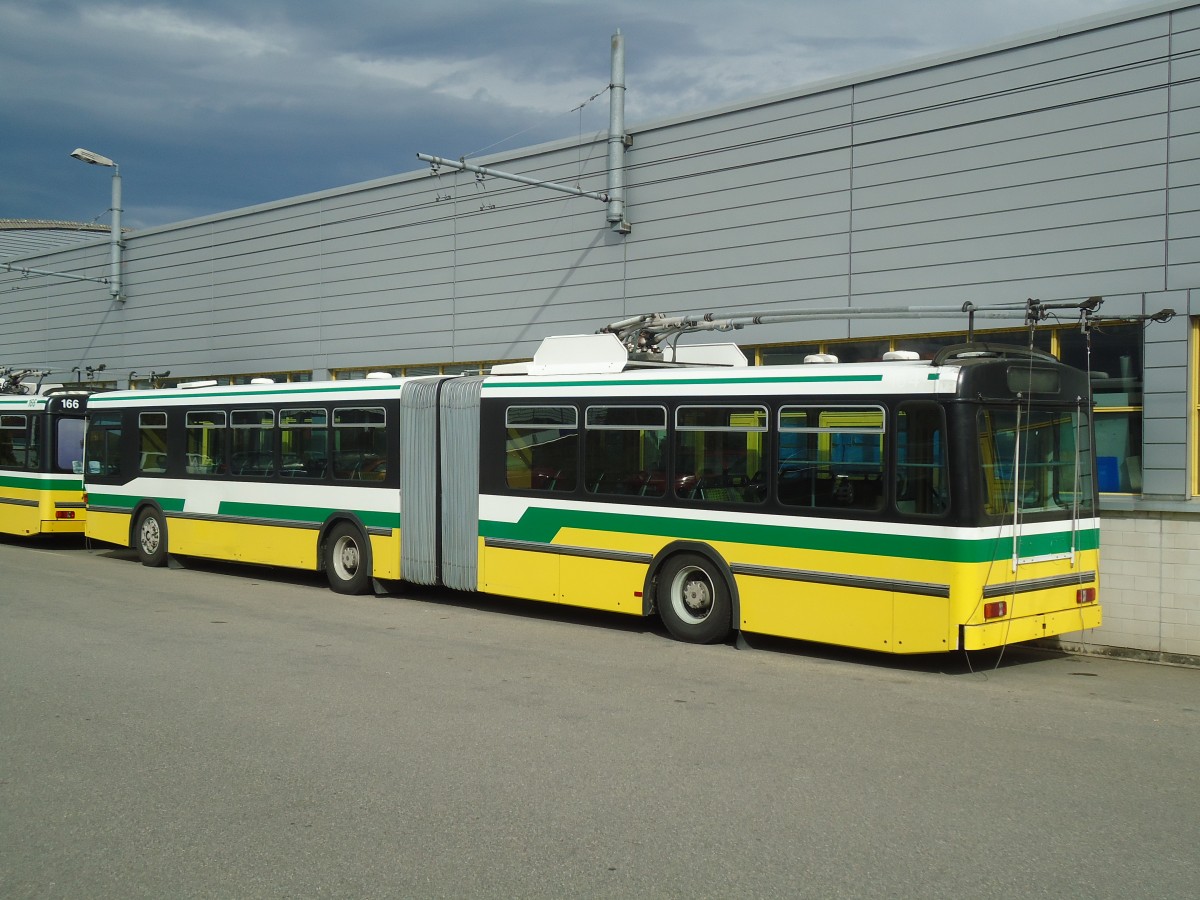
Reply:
x=1058, y=166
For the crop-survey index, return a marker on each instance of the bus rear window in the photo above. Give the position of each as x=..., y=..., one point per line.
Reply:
x=1028, y=380
x=69, y=446
x=1035, y=461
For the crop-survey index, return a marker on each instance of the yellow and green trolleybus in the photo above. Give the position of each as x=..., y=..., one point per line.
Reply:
x=41, y=458
x=904, y=506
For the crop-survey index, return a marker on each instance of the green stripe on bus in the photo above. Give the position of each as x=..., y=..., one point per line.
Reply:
x=306, y=514
x=675, y=382
x=543, y=526
x=33, y=483
x=123, y=501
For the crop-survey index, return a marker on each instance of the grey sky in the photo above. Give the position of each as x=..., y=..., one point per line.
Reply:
x=210, y=105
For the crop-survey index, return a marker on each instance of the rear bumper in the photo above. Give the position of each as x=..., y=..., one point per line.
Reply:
x=1029, y=628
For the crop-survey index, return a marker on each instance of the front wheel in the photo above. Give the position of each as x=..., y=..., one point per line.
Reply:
x=150, y=538
x=347, y=560
x=693, y=600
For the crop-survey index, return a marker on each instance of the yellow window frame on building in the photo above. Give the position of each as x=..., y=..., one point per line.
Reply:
x=1115, y=361
x=1194, y=417
x=462, y=368
x=166, y=380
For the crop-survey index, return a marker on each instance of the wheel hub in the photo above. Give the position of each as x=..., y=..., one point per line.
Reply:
x=697, y=596
x=150, y=536
x=349, y=557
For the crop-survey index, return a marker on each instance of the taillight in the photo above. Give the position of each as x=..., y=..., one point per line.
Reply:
x=995, y=610
x=1085, y=595
x=64, y=514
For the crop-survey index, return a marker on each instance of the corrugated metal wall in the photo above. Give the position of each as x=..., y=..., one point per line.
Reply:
x=1055, y=168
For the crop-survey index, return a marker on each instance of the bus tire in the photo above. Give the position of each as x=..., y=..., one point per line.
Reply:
x=693, y=600
x=150, y=538
x=347, y=559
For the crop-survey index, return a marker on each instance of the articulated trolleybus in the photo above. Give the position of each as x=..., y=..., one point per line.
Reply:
x=904, y=506
x=41, y=455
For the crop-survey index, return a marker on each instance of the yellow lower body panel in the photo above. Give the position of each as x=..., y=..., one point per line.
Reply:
x=385, y=555
x=22, y=520
x=816, y=612
x=520, y=573
x=293, y=548
x=602, y=584
x=564, y=578
x=110, y=527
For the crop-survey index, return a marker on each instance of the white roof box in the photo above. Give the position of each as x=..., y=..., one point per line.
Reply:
x=598, y=354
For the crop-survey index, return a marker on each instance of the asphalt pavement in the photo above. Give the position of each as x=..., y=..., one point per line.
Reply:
x=224, y=731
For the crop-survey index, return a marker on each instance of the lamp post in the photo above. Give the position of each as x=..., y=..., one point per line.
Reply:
x=114, y=275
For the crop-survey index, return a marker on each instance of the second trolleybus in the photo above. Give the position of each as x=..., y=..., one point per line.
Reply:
x=41, y=456
x=902, y=506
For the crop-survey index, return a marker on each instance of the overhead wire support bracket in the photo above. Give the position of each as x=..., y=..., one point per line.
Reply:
x=645, y=333
x=464, y=166
x=26, y=271
x=618, y=142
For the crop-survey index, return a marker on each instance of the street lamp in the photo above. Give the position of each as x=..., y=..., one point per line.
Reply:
x=114, y=276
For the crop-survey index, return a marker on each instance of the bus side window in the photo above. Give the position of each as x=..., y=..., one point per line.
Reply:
x=252, y=443
x=14, y=442
x=541, y=448
x=206, y=441
x=922, y=480
x=152, y=443
x=304, y=443
x=719, y=453
x=831, y=457
x=623, y=450
x=102, y=453
x=360, y=443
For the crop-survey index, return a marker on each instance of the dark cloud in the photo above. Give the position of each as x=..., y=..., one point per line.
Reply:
x=217, y=105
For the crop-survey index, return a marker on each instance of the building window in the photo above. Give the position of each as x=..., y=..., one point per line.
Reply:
x=1115, y=365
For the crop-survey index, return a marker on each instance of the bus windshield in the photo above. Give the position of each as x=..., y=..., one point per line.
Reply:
x=1038, y=460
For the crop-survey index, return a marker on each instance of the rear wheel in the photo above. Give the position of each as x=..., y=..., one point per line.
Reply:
x=693, y=600
x=150, y=538
x=347, y=560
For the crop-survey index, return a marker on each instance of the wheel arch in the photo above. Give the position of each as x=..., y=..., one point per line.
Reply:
x=136, y=514
x=332, y=521
x=676, y=548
